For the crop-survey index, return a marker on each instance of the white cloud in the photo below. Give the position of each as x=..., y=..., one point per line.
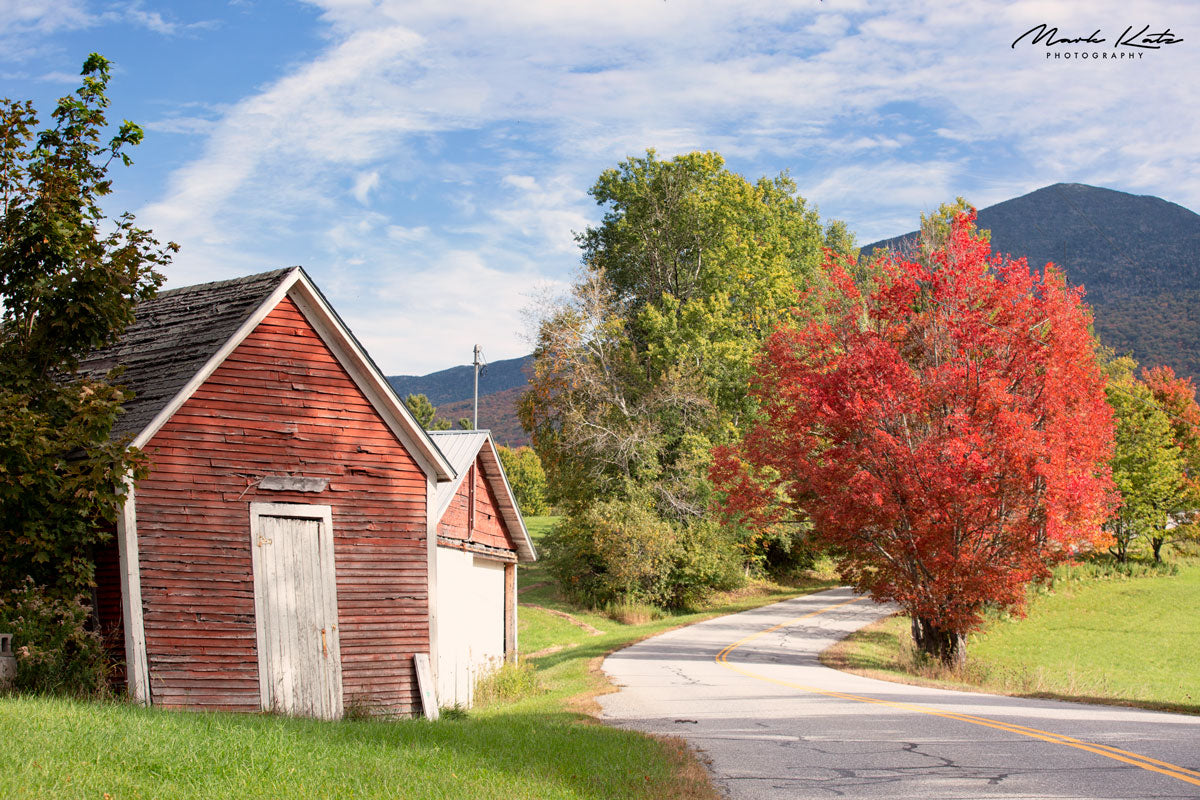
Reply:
x=364, y=184
x=472, y=131
x=399, y=233
x=190, y=126
x=431, y=318
x=549, y=212
x=38, y=16
x=152, y=20
x=26, y=25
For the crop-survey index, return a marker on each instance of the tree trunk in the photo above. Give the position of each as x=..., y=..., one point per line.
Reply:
x=1157, y=542
x=949, y=647
x=1121, y=544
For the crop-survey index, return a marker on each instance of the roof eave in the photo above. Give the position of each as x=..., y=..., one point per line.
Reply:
x=368, y=376
x=512, y=512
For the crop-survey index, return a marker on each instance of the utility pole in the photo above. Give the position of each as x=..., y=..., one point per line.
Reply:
x=478, y=364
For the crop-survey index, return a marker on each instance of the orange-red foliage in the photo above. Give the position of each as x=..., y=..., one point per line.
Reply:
x=1177, y=396
x=947, y=432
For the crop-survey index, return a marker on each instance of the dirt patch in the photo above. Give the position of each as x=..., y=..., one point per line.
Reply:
x=545, y=651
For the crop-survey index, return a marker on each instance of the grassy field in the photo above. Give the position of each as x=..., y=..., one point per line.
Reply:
x=538, y=745
x=62, y=749
x=1131, y=641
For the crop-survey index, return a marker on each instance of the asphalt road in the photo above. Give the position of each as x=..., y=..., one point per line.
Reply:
x=747, y=691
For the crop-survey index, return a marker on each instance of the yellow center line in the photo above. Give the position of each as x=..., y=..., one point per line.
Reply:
x=1108, y=751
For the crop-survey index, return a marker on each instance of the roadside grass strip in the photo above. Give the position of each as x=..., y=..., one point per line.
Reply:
x=1125, y=756
x=533, y=741
x=1104, y=640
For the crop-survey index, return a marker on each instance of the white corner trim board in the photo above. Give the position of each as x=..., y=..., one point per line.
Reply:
x=431, y=579
x=137, y=673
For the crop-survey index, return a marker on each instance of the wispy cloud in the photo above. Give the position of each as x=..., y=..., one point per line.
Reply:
x=434, y=152
x=25, y=25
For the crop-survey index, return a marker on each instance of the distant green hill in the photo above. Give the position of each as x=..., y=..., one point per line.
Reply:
x=501, y=384
x=1137, y=256
x=458, y=383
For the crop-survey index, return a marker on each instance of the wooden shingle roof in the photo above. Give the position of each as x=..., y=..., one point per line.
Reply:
x=181, y=336
x=171, y=339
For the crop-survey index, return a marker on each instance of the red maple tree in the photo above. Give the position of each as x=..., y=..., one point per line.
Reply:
x=946, y=432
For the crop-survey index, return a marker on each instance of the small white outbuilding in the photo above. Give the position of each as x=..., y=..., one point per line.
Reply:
x=480, y=540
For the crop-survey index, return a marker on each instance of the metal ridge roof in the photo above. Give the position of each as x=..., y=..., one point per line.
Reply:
x=461, y=448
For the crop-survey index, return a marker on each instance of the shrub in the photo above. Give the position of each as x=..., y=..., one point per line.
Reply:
x=619, y=552
x=57, y=652
x=511, y=681
x=707, y=560
x=628, y=612
x=613, y=550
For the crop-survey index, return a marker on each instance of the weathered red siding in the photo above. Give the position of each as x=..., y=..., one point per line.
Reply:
x=280, y=404
x=487, y=527
x=108, y=606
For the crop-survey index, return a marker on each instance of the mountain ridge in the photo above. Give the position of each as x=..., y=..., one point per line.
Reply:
x=452, y=390
x=457, y=383
x=1137, y=256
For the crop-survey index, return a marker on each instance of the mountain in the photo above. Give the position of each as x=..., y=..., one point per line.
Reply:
x=497, y=413
x=1137, y=256
x=458, y=383
x=501, y=384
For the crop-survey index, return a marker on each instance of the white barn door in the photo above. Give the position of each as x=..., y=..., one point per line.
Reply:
x=295, y=607
x=470, y=597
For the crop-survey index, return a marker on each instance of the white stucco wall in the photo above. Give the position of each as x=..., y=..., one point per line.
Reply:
x=470, y=598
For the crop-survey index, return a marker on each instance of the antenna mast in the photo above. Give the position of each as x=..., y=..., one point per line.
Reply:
x=478, y=364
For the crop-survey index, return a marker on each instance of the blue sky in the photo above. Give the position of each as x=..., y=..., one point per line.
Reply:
x=427, y=162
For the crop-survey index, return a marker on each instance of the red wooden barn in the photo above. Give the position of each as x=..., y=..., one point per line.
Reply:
x=281, y=554
x=480, y=539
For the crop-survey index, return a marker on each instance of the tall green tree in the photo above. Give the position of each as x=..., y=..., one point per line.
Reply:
x=70, y=278
x=646, y=365
x=425, y=413
x=526, y=477
x=1176, y=396
x=1147, y=465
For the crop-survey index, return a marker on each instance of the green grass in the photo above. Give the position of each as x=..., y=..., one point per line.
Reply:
x=67, y=749
x=539, y=745
x=1120, y=640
